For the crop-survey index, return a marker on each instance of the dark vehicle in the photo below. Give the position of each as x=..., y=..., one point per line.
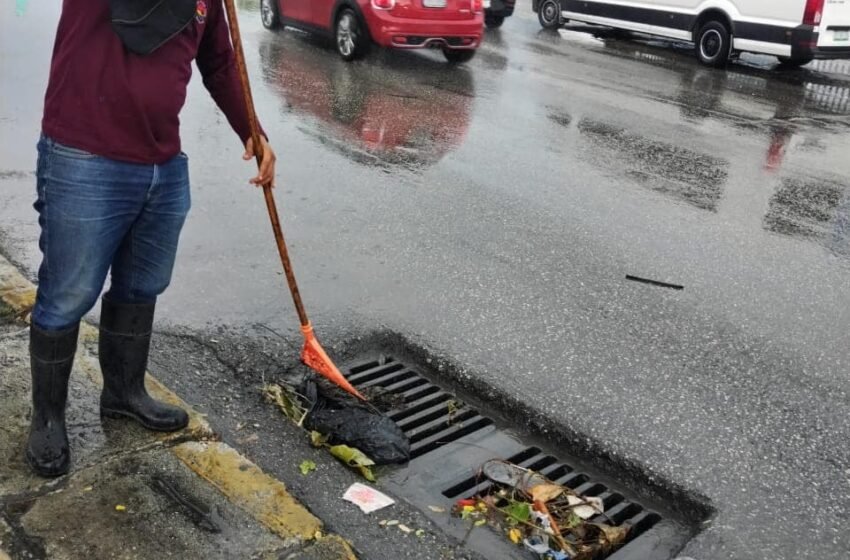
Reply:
x=495, y=12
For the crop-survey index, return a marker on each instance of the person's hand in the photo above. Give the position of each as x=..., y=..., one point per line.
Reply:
x=265, y=176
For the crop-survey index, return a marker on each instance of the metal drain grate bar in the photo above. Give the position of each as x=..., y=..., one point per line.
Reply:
x=426, y=418
x=450, y=434
x=374, y=373
x=424, y=401
x=370, y=365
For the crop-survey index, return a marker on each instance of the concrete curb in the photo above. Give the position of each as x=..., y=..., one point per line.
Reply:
x=241, y=481
x=250, y=488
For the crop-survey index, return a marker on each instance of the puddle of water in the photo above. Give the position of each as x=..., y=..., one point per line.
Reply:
x=672, y=170
x=814, y=209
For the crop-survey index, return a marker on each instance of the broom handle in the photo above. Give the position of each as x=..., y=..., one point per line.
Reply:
x=236, y=39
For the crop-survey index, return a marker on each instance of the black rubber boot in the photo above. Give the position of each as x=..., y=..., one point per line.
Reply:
x=125, y=337
x=51, y=360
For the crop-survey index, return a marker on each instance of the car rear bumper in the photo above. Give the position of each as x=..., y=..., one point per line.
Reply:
x=804, y=44
x=408, y=33
x=831, y=52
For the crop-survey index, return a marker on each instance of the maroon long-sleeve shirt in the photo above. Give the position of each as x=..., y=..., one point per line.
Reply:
x=106, y=100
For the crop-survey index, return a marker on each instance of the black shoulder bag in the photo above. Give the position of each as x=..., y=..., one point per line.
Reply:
x=145, y=25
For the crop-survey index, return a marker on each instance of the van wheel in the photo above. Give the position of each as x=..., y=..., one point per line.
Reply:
x=350, y=36
x=714, y=44
x=549, y=14
x=794, y=62
x=270, y=13
x=458, y=56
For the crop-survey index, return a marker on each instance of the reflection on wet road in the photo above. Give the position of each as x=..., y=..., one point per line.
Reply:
x=371, y=115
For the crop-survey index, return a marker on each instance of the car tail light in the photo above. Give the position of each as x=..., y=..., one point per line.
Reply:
x=813, y=13
x=383, y=4
x=477, y=6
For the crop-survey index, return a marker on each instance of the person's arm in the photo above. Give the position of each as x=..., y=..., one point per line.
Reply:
x=217, y=65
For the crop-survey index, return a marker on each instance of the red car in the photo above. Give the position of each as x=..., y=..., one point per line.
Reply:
x=455, y=26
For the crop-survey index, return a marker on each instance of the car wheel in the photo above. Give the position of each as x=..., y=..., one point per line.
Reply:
x=549, y=14
x=270, y=14
x=458, y=56
x=714, y=44
x=795, y=62
x=350, y=36
x=494, y=21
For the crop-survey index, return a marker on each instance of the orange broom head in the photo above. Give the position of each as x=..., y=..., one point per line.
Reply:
x=315, y=357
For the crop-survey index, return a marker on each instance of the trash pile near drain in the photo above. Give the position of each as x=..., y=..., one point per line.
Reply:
x=358, y=436
x=546, y=518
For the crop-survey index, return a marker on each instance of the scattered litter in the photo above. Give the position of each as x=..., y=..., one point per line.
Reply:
x=537, y=545
x=355, y=459
x=286, y=400
x=405, y=529
x=391, y=523
x=519, y=511
x=654, y=282
x=512, y=475
x=248, y=439
x=119, y=507
x=307, y=466
x=344, y=421
x=337, y=421
x=546, y=492
x=548, y=519
x=88, y=489
x=420, y=533
x=377, y=436
x=586, y=507
x=437, y=509
x=452, y=407
x=368, y=499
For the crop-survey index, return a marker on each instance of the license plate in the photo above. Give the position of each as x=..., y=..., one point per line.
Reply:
x=434, y=3
x=842, y=35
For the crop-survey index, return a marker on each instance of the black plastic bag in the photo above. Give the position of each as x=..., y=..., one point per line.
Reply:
x=345, y=422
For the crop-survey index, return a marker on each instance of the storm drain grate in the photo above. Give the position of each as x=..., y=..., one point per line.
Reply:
x=619, y=511
x=430, y=417
x=451, y=439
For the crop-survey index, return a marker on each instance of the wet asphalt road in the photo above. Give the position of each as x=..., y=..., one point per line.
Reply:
x=491, y=213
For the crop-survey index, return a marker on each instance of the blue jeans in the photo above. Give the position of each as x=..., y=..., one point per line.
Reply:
x=96, y=214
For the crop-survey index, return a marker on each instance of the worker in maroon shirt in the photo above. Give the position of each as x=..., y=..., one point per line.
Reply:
x=113, y=194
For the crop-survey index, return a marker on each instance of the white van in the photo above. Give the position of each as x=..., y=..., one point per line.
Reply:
x=796, y=31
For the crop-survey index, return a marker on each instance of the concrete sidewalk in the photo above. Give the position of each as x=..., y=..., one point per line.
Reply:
x=132, y=493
